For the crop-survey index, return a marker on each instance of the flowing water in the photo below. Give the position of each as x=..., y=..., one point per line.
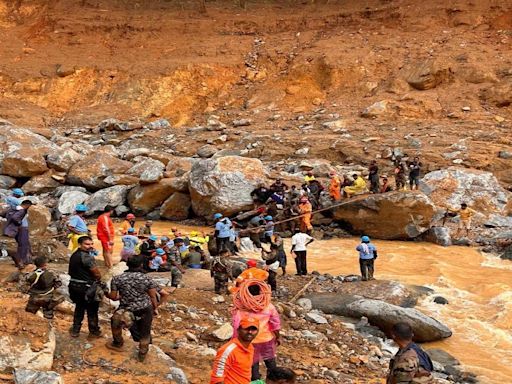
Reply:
x=477, y=286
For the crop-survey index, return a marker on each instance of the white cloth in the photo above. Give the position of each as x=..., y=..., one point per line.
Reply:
x=300, y=240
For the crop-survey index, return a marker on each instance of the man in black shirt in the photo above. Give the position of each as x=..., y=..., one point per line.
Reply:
x=137, y=294
x=84, y=274
x=414, y=173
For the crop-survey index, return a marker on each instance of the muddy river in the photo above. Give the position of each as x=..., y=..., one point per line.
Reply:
x=478, y=287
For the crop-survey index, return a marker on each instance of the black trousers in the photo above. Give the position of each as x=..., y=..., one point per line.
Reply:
x=255, y=370
x=77, y=295
x=222, y=244
x=300, y=263
x=272, y=280
x=366, y=267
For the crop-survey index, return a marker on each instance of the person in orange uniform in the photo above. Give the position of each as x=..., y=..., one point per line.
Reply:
x=335, y=186
x=305, y=209
x=234, y=359
x=128, y=223
x=105, y=232
x=252, y=273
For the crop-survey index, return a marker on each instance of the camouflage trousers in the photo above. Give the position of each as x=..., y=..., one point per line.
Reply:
x=221, y=282
x=46, y=302
x=138, y=322
x=176, y=276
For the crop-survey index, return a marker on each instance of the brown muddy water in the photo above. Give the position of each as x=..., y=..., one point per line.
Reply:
x=477, y=286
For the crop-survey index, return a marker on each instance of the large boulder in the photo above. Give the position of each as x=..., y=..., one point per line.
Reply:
x=178, y=166
x=394, y=215
x=448, y=188
x=7, y=182
x=145, y=198
x=93, y=169
x=39, y=218
x=41, y=184
x=224, y=184
x=63, y=158
x=381, y=314
x=28, y=376
x=176, y=207
x=22, y=152
x=69, y=200
x=148, y=171
x=113, y=196
x=121, y=180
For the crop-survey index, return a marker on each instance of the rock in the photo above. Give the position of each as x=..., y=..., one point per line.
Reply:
x=302, y=151
x=425, y=75
x=52, y=249
x=448, y=188
x=59, y=191
x=242, y=122
x=113, y=196
x=442, y=357
x=149, y=171
x=7, y=182
x=393, y=215
x=27, y=376
x=176, y=207
x=376, y=109
x=178, y=166
x=144, y=198
x=39, y=218
x=207, y=151
x=225, y=332
x=180, y=184
x=224, y=184
x=177, y=376
x=507, y=254
x=158, y=124
x=41, y=184
x=93, y=169
x=498, y=221
x=499, y=94
x=335, y=124
x=62, y=159
x=505, y=155
x=319, y=167
x=440, y=300
x=305, y=304
x=121, y=180
x=69, y=200
x=315, y=318
x=381, y=314
x=113, y=125
x=135, y=152
x=23, y=162
x=438, y=235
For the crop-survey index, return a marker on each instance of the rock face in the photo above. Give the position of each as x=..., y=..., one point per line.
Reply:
x=69, y=200
x=148, y=171
x=178, y=166
x=93, y=169
x=145, y=198
x=381, y=315
x=27, y=376
x=39, y=217
x=113, y=196
x=24, y=162
x=394, y=215
x=41, y=184
x=480, y=190
x=7, y=182
x=176, y=207
x=438, y=235
x=63, y=159
x=224, y=184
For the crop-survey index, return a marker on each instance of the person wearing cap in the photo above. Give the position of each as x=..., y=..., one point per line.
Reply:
x=198, y=239
x=335, y=186
x=358, y=186
x=130, y=242
x=158, y=263
x=174, y=257
x=146, y=229
x=367, y=255
x=252, y=273
x=14, y=200
x=222, y=232
x=77, y=226
x=233, y=362
x=105, y=232
x=17, y=228
x=146, y=250
x=269, y=229
x=128, y=223
x=306, y=212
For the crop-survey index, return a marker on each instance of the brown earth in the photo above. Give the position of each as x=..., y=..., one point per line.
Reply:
x=69, y=63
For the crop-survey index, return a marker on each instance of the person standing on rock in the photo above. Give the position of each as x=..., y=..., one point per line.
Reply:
x=367, y=255
x=300, y=242
x=414, y=173
x=105, y=232
x=234, y=359
x=335, y=186
x=17, y=227
x=128, y=223
x=222, y=232
x=358, y=186
x=84, y=274
x=78, y=226
x=373, y=176
x=400, y=169
x=137, y=294
x=306, y=212
x=411, y=364
x=465, y=215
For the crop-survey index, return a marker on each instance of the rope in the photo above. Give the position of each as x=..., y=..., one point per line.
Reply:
x=245, y=301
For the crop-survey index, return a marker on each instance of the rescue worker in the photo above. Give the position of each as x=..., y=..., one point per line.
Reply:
x=373, y=177
x=271, y=265
x=15, y=199
x=233, y=362
x=130, y=242
x=305, y=210
x=358, y=186
x=128, y=223
x=252, y=272
x=414, y=173
x=41, y=285
x=367, y=255
x=106, y=233
x=17, y=227
x=77, y=226
x=309, y=177
x=411, y=364
x=279, y=187
x=158, y=261
x=146, y=229
x=137, y=294
x=222, y=232
x=221, y=271
x=174, y=260
x=400, y=169
x=197, y=239
x=465, y=215
x=269, y=229
x=335, y=186
x=300, y=242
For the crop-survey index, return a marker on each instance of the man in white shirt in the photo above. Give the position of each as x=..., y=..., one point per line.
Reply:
x=300, y=241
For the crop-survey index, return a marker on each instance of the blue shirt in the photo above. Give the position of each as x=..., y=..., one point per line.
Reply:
x=366, y=253
x=12, y=201
x=224, y=228
x=78, y=224
x=156, y=262
x=269, y=228
x=129, y=242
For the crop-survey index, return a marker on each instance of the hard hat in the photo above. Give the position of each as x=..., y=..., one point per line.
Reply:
x=153, y=237
x=18, y=192
x=365, y=239
x=268, y=218
x=194, y=233
x=131, y=230
x=81, y=208
x=164, y=238
x=252, y=263
x=160, y=251
x=130, y=216
x=217, y=216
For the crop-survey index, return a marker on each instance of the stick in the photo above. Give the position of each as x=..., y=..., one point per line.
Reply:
x=302, y=290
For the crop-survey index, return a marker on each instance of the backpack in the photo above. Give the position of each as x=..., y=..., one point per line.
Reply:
x=423, y=357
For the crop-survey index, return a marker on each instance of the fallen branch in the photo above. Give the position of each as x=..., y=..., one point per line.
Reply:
x=299, y=294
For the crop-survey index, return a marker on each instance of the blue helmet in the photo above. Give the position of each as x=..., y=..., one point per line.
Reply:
x=160, y=251
x=164, y=238
x=18, y=192
x=365, y=239
x=81, y=208
x=131, y=230
x=153, y=238
x=217, y=216
x=268, y=218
